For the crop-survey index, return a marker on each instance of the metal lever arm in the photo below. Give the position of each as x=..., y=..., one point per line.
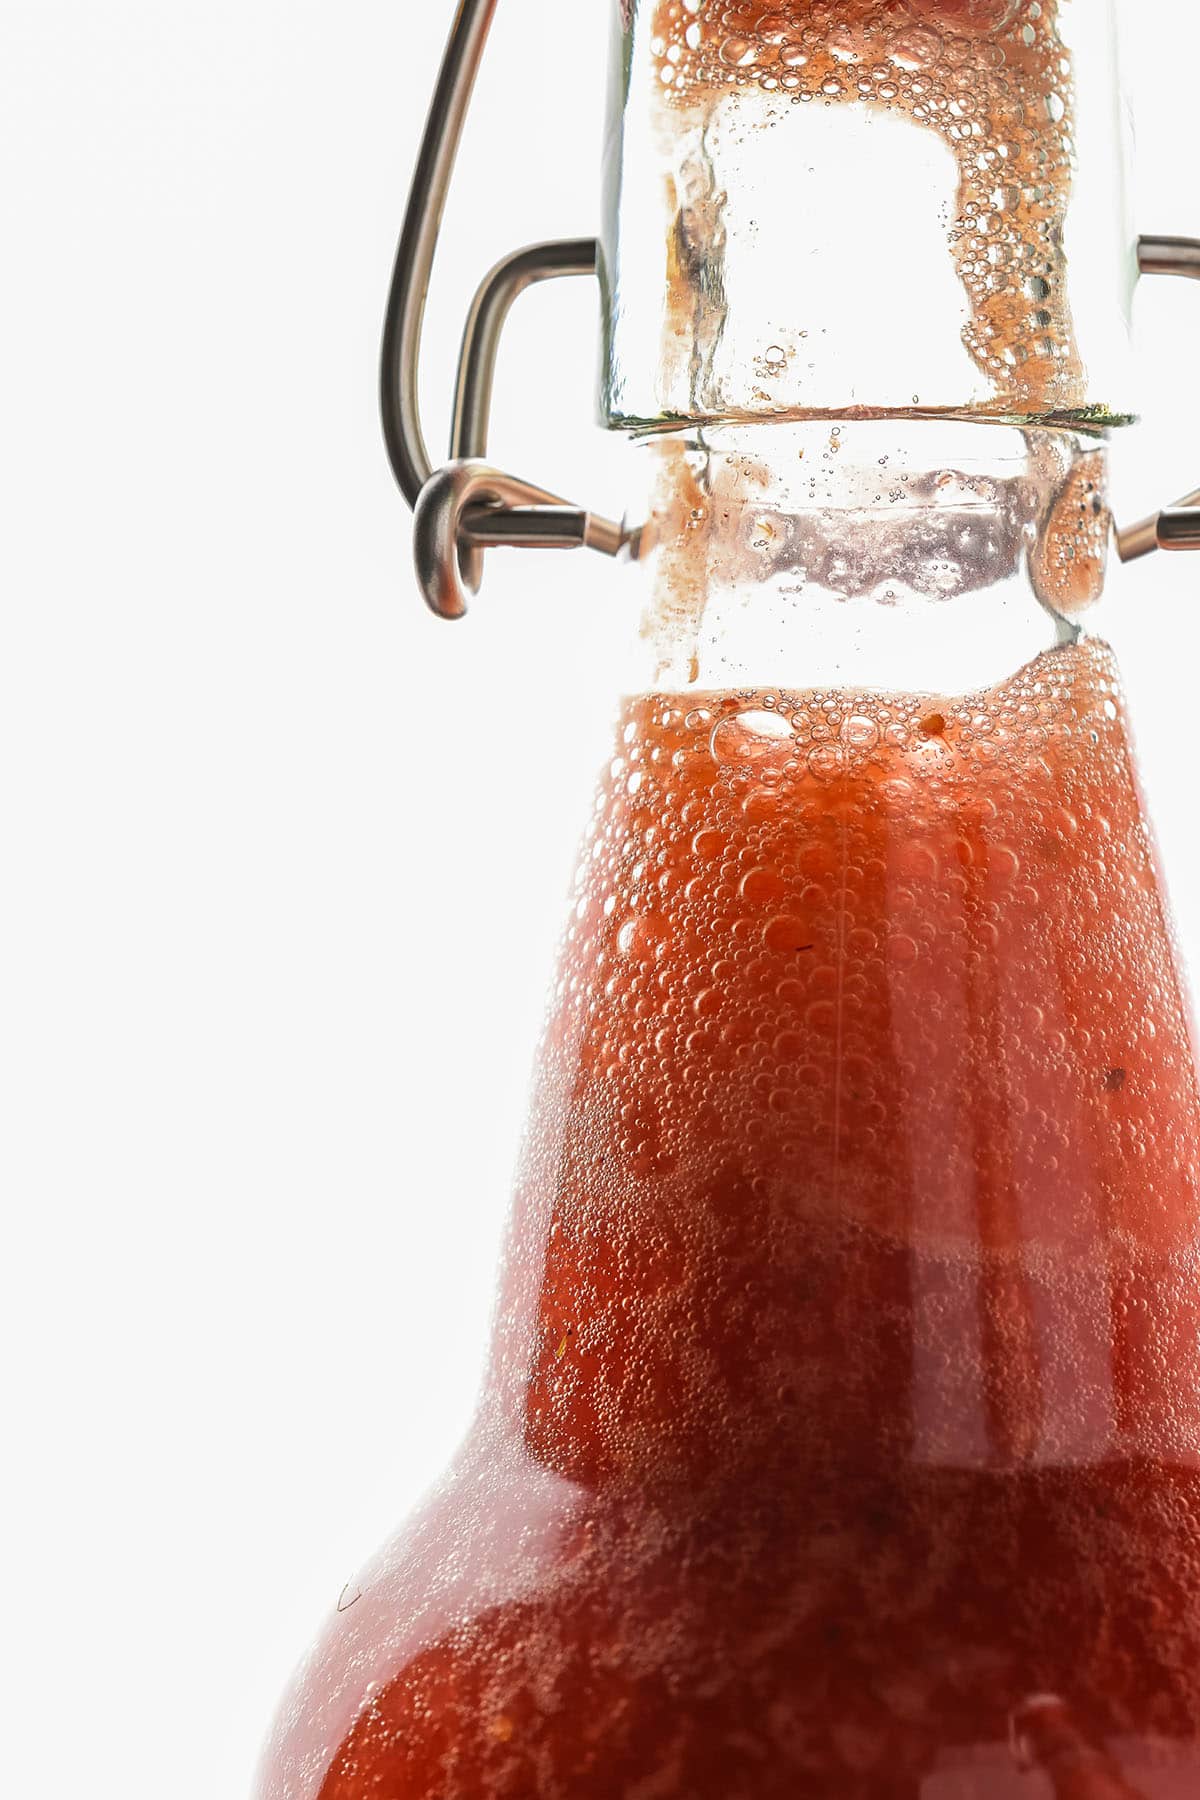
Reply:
x=401, y=358
x=485, y=322
x=489, y=312
x=1178, y=527
x=466, y=506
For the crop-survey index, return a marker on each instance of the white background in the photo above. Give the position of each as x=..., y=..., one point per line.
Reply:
x=283, y=859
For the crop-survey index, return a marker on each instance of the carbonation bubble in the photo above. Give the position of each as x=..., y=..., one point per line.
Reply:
x=915, y=49
x=761, y=887
x=980, y=17
x=825, y=761
x=1070, y=557
x=860, y=732
x=754, y=736
x=787, y=935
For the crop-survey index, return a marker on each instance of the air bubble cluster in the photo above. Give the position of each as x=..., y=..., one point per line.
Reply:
x=816, y=921
x=842, y=1433
x=1070, y=555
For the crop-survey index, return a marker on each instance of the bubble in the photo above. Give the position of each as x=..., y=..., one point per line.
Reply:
x=640, y=937
x=708, y=845
x=860, y=732
x=737, y=52
x=761, y=887
x=1070, y=558
x=915, y=49
x=979, y=17
x=825, y=761
x=754, y=736
x=845, y=43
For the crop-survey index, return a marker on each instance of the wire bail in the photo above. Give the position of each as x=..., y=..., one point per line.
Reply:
x=466, y=506
x=1177, y=527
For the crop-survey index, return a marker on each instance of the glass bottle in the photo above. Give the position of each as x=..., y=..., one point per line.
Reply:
x=840, y=1434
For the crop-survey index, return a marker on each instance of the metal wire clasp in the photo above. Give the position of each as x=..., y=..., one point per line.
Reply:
x=467, y=506
x=1178, y=526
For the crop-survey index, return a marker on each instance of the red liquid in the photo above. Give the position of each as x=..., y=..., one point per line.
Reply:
x=842, y=1434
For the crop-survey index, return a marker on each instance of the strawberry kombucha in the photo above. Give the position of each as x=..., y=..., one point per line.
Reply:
x=841, y=1436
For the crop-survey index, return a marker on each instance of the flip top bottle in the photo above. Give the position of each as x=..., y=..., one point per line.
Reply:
x=840, y=1436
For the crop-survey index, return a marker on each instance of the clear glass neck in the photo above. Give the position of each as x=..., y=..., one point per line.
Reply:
x=890, y=554
x=867, y=206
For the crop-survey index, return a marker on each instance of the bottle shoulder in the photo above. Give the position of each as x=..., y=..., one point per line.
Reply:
x=738, y=1637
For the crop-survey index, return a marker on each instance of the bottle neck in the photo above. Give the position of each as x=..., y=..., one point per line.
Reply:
x=866, y=205
x=888, y=554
